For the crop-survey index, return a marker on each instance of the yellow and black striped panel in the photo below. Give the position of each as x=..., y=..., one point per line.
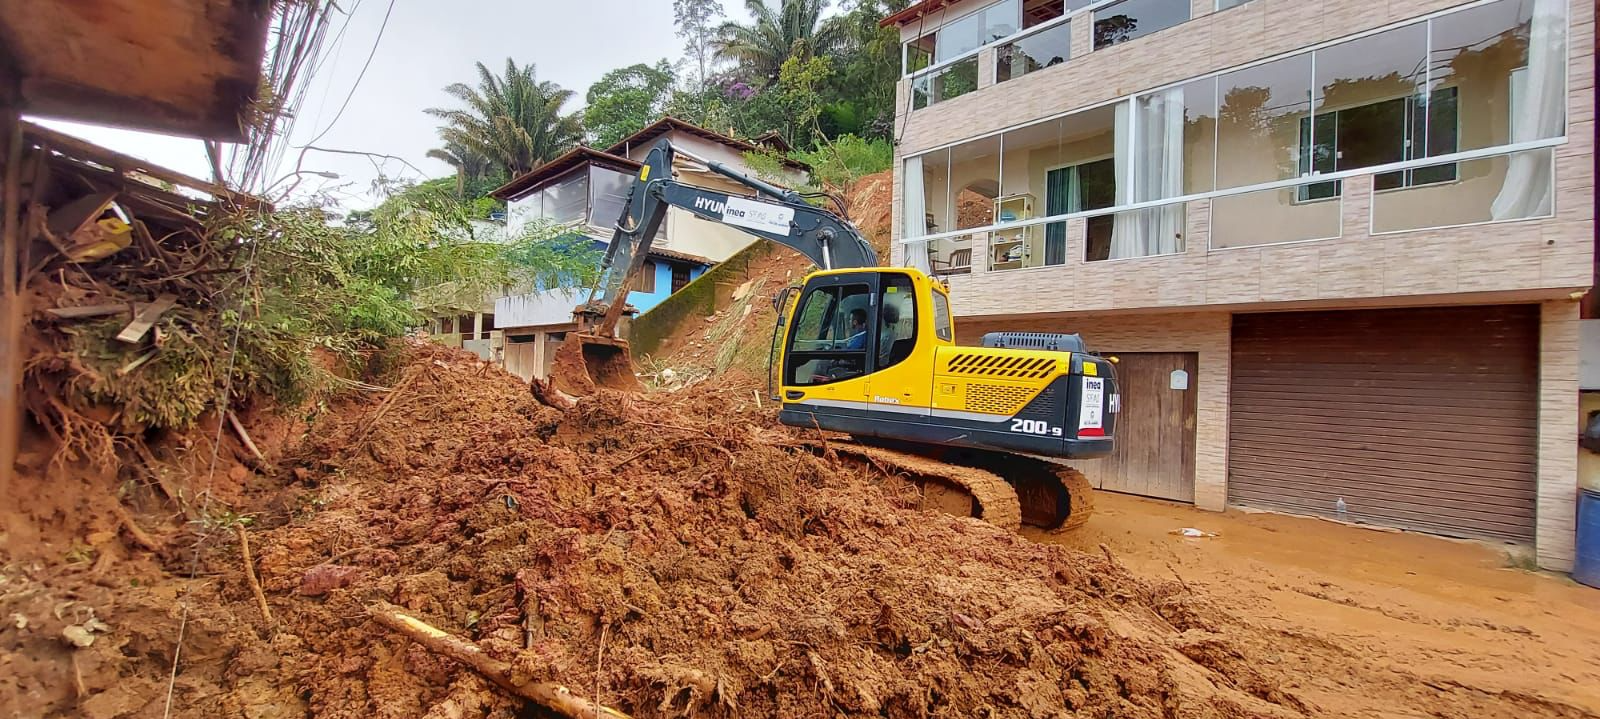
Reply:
x=990, y=364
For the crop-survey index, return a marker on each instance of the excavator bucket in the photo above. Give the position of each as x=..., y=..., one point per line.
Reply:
x=585, y=362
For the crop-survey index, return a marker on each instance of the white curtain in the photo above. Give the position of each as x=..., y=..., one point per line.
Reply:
x=914, y=211
x=1149, y=166
x=1538, y=113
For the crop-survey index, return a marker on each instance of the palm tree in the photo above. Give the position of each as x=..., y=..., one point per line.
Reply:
x=514, y=120
x=470, y=165
x=795, y=28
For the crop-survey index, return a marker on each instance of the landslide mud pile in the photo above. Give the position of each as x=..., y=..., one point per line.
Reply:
x=674, y=554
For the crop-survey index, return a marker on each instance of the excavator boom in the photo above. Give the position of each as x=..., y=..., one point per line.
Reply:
x=595, y=355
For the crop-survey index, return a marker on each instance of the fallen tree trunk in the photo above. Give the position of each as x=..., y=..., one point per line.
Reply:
x=552, y=696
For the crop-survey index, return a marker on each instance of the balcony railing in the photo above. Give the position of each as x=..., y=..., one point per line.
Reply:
x=1035, y=47
x=1504, y=184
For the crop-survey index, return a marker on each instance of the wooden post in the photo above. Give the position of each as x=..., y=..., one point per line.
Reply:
x=12, y=311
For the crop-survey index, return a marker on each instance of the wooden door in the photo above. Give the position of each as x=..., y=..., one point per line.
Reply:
x=1154, y=454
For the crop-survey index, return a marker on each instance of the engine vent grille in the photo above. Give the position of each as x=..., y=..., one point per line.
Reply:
x=996, y=399
x=1001, y=366
x=1035, y=340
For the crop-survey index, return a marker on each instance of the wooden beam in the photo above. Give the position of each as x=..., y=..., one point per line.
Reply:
x=550, y=695
x=12, y=303
x=78, y=313
x=123, y=164
x=146, y=317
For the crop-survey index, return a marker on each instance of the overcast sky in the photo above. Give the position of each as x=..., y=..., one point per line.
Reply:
x=427, y=45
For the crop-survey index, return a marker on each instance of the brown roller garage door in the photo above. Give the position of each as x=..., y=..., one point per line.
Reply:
x=1417, y=418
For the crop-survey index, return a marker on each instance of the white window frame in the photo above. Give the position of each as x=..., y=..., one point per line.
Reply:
x=1457, y=157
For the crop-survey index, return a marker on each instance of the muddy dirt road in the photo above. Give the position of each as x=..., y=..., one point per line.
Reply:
x=1440, y=616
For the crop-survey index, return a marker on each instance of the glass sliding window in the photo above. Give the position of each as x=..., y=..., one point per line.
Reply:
x=1507, y=63
x=1491, y=189
x=1039, y=12
x=926, y=196
x=1258, y=121
x=1225, y=4
x=1180, y=125
x=920, y=52
x=1368, y=102
x=972, y=31
x=567, y=200
x=975, y=182
x=1002, y=19
x=1268, y=217
x=959, y=37
x=1133, y=19
x=608, y=192
x=1055, y=168
x=974, y=188
x=1048, y=47
x=948, y=82
x=955, y=80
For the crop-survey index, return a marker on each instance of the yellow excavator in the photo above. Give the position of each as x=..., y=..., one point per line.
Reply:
x=870, y=351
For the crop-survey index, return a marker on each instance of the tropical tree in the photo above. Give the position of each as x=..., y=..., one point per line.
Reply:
x=513, y=119
x=695, y=20
x=624, y=100
x=795, y=28
x=470, y=165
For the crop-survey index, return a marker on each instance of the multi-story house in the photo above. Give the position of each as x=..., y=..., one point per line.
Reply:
x=1337, y=246
x=585, y=190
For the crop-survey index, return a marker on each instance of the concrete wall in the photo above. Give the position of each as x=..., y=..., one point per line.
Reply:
x=1556, y=513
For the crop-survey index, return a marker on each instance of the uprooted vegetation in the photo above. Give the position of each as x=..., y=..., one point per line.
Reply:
x=666, y=554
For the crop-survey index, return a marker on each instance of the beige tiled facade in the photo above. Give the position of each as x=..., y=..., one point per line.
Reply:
x=1183, y=302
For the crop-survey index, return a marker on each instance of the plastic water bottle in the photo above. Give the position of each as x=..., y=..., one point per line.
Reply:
x=1341, y=508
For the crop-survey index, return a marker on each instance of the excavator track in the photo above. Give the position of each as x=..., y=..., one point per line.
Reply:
x=1003, y=489
x=990, y=498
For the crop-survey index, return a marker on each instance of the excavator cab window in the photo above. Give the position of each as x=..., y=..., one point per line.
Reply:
x=831, y=334
x=941, y=317
x=897, y=320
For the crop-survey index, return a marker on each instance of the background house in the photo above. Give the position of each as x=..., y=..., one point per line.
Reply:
x=1336, y=246
x=585, y=189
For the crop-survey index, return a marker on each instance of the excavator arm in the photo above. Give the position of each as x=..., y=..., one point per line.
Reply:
x=771, y=213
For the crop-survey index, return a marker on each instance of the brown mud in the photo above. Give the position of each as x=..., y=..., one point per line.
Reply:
x=668, y=554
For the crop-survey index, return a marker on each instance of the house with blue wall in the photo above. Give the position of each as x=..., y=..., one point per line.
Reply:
x=585, y=190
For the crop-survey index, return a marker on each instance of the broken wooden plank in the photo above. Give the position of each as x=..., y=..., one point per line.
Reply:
x=146, y=318
x=137, y=363
x=85, y=311
x=549, y=695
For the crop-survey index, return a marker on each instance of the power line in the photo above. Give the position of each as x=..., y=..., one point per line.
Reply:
x=335, y=52
x=359, y=76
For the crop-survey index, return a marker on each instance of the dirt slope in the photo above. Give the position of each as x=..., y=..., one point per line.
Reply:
x=669, y=554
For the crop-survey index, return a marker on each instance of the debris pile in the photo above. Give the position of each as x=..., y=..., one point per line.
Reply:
x=677, y=554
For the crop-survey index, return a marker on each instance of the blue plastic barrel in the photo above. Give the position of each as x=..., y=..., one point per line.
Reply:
x=1587, y=567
